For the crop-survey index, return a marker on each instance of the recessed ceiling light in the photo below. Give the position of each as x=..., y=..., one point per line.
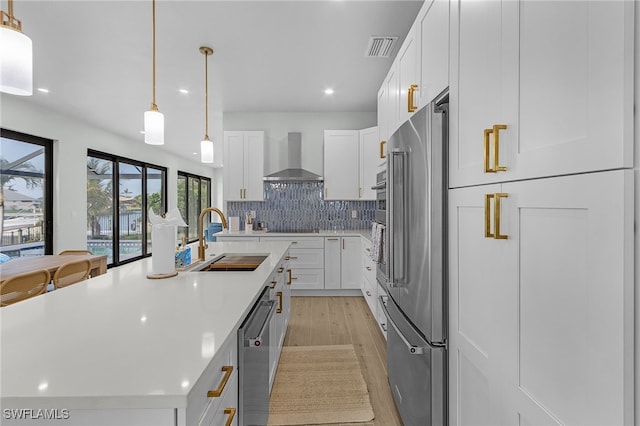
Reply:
x=142, y=132
x=183, y=91
x=194, y=153
x=328, y=91
x=43, y=90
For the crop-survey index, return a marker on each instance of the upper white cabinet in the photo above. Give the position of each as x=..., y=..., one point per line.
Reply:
x=370, y=153
x=341, y=172
x=243, y=166
x=539, y=89
x=351, y=159
x=433, y=50
x=420, y=71
x=407, y=68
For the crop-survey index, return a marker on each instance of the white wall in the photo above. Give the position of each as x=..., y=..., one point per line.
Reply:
x=311, y=124
x=72, y=139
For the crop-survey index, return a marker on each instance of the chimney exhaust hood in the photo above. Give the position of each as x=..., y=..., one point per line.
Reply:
x=294, y=172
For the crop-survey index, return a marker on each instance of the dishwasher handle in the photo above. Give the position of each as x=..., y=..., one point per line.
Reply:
x=256, y=342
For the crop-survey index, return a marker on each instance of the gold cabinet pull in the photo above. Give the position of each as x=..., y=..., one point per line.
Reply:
x=325, y=192
x=332, y=239
x=368, y=268
x=495, y=131
x=279, y=310
x=359, y=192
x=496, y=216
x=382, y=144
x=228, y=369
x=273, y=284
x=292, y=257
x=368, y=293
x=487, y=215
x=411, y=107
x=290, y=278
x=231, y=412
x=487, y=155
x=280, y=270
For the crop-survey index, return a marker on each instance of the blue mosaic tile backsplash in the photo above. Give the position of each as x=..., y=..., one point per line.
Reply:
x=299, y=207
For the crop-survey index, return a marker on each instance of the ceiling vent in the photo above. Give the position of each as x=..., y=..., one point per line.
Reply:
x=380, y=47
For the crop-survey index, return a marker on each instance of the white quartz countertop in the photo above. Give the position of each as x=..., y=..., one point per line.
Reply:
x=366, y=233
x=121, y=340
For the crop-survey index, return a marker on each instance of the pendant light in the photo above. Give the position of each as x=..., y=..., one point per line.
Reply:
x=154, y=119
x=16, y=56
x=206, y=146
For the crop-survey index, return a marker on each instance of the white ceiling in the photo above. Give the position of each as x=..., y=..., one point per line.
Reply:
x=270, y=56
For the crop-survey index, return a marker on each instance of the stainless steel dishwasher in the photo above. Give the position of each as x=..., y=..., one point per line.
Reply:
x=253, y=362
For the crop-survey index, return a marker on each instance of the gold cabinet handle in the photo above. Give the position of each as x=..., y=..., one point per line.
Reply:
x=294, y=242
x=228, y=369
x=411, y=107
x=292, y=257
x=367, y=249
x=332, y=239
x=496, y=147
x=487, y=166
x=368, y=293
x=368, y=268
x=273, y=284
x=496, y=216
x=231, y=412
x=495, y=131
x=343, y=247
x=325, y=192
x=280, y=270
x=279, y=310
x=359, y=192
x=289, y=281
x=382, y=144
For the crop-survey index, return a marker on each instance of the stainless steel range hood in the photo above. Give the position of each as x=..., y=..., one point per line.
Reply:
x=294, y=172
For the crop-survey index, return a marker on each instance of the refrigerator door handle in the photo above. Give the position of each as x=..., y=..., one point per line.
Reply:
x=413, y=349
x=397, y=250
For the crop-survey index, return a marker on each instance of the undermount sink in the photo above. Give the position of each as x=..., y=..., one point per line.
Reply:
x=229, y=262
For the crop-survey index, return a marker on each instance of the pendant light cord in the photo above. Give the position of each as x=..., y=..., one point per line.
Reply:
x=154, y=107
x=206, y=96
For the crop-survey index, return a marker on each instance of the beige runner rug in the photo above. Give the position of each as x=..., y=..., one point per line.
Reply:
x=319, y=385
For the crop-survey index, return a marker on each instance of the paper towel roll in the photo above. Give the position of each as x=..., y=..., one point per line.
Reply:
x=163, y=240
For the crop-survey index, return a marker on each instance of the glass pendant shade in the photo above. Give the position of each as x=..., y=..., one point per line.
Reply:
x=16, y=62
x=154, y=127
x=206, y=150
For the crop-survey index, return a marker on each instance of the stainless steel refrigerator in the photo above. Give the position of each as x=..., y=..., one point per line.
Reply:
x=416, y=307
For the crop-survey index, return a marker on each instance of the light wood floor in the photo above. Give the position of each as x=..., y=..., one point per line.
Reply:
x=347, y=320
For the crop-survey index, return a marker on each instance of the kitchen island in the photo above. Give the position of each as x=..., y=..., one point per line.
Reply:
x=123, y=349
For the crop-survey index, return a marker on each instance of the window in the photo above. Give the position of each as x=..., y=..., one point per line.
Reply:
x=26, y=195
x=194, y=194
x=120, y=192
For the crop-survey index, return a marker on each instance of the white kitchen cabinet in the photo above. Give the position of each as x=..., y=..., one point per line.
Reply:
x=281, y=293
x=243, y=166
x=369, y=160
x=393, y=103
x=407, y=69
x=547, y=86
x=342, y=263
x=527, y=313
x=306, y=261
x=332, y=272
x=433, y=49
x=383, y=124
x=341, y=172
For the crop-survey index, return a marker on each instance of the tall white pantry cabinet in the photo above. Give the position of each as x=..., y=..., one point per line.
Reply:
x=541, y=212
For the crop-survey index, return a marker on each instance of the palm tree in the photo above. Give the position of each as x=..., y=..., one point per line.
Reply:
x=99, y=192
x=6, y=178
